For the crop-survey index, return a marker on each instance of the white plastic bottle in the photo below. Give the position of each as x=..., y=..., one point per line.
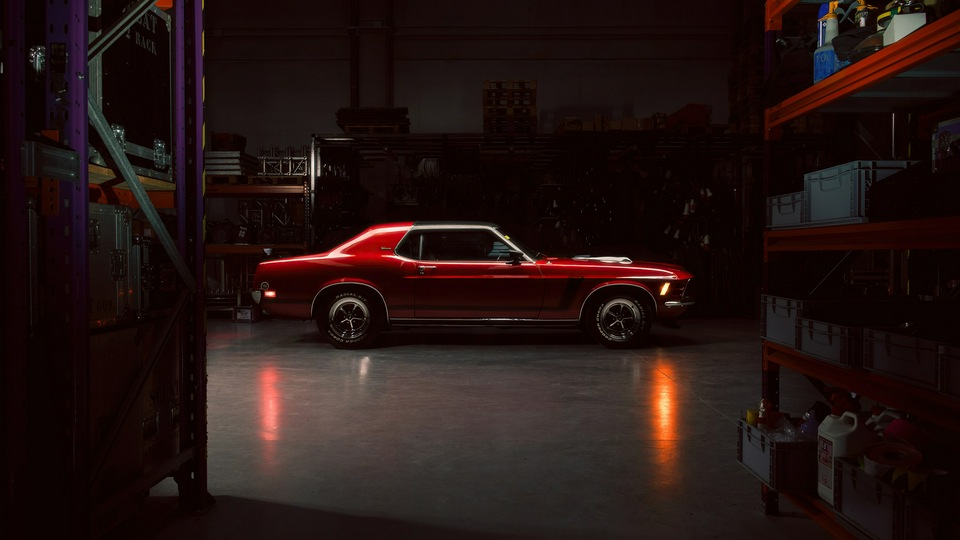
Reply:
x=838, y=437
x=825, y=58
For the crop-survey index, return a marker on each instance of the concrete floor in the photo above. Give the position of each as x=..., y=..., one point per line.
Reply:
x=473, y=434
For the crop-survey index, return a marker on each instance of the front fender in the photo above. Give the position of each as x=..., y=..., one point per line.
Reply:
x=611, y=285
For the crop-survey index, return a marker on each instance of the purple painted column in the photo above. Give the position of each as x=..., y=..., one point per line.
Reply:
x=189, y=135
x=60, y=359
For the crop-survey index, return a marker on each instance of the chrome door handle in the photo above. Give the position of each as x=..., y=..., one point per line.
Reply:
x=423, y=269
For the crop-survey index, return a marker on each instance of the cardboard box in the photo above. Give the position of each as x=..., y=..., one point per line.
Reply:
x=249, y=314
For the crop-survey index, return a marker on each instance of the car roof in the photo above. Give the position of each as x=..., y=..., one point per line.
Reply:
x=437, y=224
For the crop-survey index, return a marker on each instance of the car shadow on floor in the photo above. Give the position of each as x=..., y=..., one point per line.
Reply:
x=236, y=518
x=481, y=337
x=498, y=337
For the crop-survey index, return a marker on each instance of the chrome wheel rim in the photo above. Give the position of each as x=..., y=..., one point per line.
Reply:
x=620, y=319
x=349, y=318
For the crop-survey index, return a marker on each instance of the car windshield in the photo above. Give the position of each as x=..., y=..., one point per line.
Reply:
x=535, y=255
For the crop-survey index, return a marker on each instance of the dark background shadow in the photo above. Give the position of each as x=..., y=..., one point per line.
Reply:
x=234, y=518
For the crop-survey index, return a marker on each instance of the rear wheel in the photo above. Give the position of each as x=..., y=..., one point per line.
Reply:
x=620, y=320
x=349, y=320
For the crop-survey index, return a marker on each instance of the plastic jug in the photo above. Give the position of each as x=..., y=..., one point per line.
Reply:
x=825, y=58
x=837, y=437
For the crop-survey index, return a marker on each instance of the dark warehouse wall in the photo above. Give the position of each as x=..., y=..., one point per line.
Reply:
x=279, y=75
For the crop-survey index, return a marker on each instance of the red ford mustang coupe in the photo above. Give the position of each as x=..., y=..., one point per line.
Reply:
x=466, y=273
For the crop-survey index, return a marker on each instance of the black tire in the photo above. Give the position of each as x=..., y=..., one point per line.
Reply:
x=349, y=320
x=620, y=320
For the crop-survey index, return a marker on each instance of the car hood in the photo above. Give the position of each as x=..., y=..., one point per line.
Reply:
x=621, y=264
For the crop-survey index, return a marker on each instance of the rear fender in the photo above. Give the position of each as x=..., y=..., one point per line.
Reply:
x=332, y=289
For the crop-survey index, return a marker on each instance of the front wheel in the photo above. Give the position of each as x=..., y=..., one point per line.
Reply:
x=620, y=321
x=349, y=320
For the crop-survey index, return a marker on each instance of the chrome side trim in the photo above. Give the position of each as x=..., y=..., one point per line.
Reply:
x=407, y=321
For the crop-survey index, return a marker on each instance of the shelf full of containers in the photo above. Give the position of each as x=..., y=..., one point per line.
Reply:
x=878, y=334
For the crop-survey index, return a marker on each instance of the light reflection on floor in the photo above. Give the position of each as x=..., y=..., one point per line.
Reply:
x=482, y=434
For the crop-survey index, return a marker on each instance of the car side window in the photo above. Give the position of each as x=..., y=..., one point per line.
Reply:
x=463, y=245
x=409, y=247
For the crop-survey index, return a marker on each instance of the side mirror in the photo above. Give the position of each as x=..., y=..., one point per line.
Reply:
x=514, y=258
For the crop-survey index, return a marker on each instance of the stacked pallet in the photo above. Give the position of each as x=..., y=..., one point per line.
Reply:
x=510, y=107
x=373, y=120
x=229, y=163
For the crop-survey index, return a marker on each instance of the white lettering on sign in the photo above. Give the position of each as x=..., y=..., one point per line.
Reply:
x=146, y=43
x=149, y=25
x=149, y=21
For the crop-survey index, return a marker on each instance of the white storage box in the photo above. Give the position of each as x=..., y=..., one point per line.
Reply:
x=901, y=25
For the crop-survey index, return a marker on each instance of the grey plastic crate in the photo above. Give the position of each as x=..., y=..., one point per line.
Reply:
x=786, y=211
x=781, y=465
x=838, y=195
x=905, y=357
x=778, y=318
x=833, y=343
x=948, y=367
x=868, y=502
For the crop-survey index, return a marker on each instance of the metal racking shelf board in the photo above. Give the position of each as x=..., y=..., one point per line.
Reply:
x=927, y=233
x=241, y=190
x=922, y=68
x=931, y=405
x=249, y=249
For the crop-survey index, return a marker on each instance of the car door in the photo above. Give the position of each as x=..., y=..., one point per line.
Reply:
x=468, y=274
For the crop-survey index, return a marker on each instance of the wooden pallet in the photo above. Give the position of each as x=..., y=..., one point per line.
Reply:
x=509, y=98
x=510, y=85
x=378, y=129
x=283, y=180
x=510, y=128
x=227, y=179
x=509, y=111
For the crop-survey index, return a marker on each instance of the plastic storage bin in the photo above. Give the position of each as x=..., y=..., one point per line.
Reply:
x=948, y=368
x=778, y=318
x=921, y=522
x=786, y=211
x=781, y=465
x=838, y=195
x=868, y=502
x=833, y=343
x=908, y=358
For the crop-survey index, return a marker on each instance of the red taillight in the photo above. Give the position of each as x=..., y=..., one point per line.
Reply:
x=269, y=294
